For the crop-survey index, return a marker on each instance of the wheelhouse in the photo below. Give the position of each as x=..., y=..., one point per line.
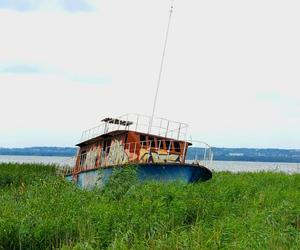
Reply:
x=119, y=141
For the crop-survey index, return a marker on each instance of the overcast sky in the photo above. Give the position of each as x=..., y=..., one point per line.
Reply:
x=231, y=69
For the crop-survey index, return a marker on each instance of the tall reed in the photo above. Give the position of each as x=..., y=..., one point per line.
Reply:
x=40, y=210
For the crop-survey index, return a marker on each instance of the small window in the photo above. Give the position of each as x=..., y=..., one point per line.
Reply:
x=142, y=138
x=82, y=158
x=177, y=146
x=167, y=145
x=106, y=145
x=143, y=141
x=151, y=141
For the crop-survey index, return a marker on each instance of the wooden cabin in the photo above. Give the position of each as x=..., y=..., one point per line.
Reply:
x=117, y=142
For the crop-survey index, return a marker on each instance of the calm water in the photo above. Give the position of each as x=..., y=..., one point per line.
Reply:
x=36, y=159
x=247, y=166
x=232, y=166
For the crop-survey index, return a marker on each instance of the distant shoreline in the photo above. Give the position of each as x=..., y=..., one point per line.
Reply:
x=40, y=151
x=220, y=154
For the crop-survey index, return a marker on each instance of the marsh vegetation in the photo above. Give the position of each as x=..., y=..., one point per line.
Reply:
x=40, y=210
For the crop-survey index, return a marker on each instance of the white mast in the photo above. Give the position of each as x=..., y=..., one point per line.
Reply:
x=161, y=67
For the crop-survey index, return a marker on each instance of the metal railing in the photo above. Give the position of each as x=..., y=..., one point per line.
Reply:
x=150, y=151
x=200, y=153
x=140, y=123
x=66, y=166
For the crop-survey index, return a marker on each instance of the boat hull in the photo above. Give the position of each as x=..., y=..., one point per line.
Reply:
x=187, y=173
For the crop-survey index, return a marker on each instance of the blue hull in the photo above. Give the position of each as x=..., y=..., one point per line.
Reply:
x=187, y=173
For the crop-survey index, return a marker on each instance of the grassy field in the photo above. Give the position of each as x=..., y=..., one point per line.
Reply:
x=40, y=210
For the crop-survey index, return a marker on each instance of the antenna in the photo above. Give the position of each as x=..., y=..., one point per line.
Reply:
x=161, y=66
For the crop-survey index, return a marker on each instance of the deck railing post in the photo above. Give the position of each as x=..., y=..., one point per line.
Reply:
x=149, y=150
x=169, y=151
x=105, y=157
x=167, y=129
x=99, y=157
x=129, y=156
x=137, y=122
x=149, y=126
x=86, y=161
x=184, y=152
x=123, y=153
x=134, y=150
x=158, y=151
x=160, y=127
x=80, y=162
x=127, y=126
x=115, y=156
x=111, y=156
x=82, y=165
x=179, y=131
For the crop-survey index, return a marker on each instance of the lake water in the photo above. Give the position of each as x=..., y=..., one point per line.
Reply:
x=232, y=166
x=36, y=159
x=247, y=166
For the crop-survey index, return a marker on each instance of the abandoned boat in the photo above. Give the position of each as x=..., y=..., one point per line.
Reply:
x=156, y=147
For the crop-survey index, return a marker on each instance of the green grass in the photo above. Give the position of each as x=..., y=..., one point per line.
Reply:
x=40, y=210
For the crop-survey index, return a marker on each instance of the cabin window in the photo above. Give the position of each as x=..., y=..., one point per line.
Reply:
x=159, y=143
x=177, y=146
x=82, y=158
x=151, y=141
x=167, y=145
x=106, y=145
x=143, y=140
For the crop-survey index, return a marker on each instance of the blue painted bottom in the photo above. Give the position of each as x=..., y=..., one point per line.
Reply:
x=187, y=173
